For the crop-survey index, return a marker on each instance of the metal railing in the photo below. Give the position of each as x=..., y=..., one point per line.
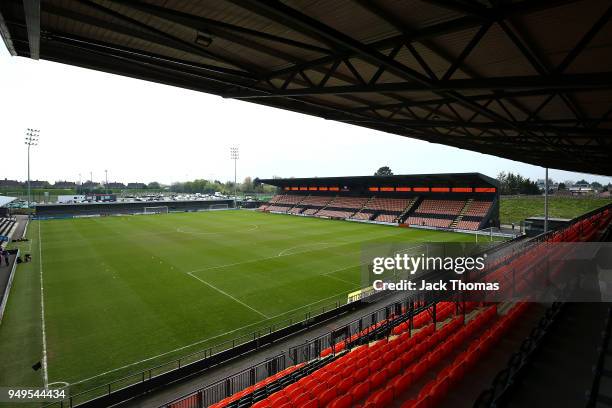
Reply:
x=255, y=338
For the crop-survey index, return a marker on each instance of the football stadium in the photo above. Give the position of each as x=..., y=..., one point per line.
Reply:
x=141, y=296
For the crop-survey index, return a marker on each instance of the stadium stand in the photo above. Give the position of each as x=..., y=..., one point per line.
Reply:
x=417, y=357
x=312, y=204
x=6, y=224
x=343, y=207
x=282, y=203
x=478, y=208
x=432, y=202
x=444, y=207
x=430, y=222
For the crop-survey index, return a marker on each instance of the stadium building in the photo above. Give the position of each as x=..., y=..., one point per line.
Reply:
x=449, y=201
x=120, y=311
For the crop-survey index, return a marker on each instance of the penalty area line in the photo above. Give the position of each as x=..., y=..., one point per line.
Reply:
x=228, y=295
x=205, y=340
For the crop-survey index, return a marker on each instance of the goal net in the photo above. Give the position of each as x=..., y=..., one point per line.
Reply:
x=156, y=210
x=484, y=235
x=218, y=207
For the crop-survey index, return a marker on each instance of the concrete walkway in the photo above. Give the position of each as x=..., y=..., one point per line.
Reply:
x=172, y=391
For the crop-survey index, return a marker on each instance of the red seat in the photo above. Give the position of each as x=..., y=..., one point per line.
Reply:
x=360, y=391
x=420, y=369
x=343, y=401
x=408, y=358
x=402, y=383
x=361, y=375
x=327, y=397
x=310, y=404
x=318, y=389
x=378, y=379
x=334, y=379
x=426, y=390
x=382, y=398
x=395, y=367
x=262, y=404
x=376, y=365
x=301, y=399
x=344, y=386
x=389, y=356
x=409, y=404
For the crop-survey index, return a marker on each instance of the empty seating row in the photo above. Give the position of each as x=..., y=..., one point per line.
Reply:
x=362, y=216
x=334, y=213
x=386, y=217
x=6, y=224
x=349, y=202
x=429, y=222
x=360, y=371
x=468, y=225
x=432, y=393
x=388, y=204
x=312, y=204
x=447, y=207
x=478, y=208
x=278, y=208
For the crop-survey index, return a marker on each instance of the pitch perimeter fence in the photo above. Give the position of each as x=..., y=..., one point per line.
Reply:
x=185, y=366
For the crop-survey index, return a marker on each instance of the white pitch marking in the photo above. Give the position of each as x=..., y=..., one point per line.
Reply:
x=228, y=295
x=63, y=384
x=282, y=253
x=204, y=340
x=253, y=228
x=42, y=309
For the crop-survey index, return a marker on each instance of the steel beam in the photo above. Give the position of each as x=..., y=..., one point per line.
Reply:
x=31, y=10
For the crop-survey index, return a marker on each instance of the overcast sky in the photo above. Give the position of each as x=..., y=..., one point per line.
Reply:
x=141, y=131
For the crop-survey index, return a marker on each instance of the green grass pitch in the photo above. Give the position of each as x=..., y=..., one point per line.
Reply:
x=122, y=294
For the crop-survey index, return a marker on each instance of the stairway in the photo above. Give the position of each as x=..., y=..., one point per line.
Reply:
x=363, y=206
x=412, y=204
x=298, y=203
x=461, y=213
x=330, y=202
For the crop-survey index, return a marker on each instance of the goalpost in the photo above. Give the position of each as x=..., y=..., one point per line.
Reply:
x=156, y=210
x=486, y=233
x=218, y=207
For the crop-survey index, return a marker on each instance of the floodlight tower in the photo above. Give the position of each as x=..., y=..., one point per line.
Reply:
x=31, y=139
x=234, y=154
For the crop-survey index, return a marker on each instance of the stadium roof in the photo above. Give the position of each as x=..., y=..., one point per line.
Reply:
x=412, y=180
x=529, y=80
x=4, y=200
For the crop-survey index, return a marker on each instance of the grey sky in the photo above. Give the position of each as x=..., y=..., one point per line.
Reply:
x=140, y=131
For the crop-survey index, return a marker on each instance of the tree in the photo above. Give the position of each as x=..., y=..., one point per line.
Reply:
x=247, y=185
x=562, y=186
x=154, y=185
x=596, y=185
x=384, y=171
